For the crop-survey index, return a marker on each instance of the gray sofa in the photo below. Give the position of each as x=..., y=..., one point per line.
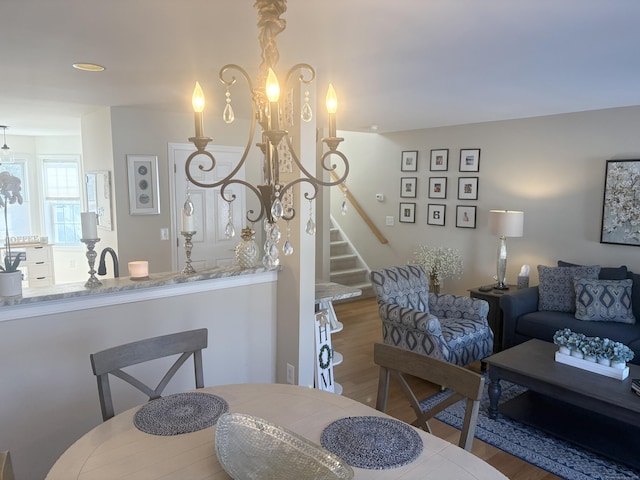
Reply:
x=525, y=315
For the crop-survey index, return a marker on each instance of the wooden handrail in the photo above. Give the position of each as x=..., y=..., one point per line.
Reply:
x=359, y=209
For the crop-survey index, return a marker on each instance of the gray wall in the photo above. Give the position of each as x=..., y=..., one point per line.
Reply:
x=137, y=130
x=550, y=167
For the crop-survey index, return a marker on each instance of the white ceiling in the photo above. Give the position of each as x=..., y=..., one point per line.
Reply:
x=401, y=64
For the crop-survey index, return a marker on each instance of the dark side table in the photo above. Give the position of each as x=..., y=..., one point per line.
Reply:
x=495, y=312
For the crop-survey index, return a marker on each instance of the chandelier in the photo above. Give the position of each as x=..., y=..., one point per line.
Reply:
x=6, y=156
x=273, y=114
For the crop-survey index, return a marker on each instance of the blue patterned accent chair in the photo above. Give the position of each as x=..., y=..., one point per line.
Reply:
x=447, y=327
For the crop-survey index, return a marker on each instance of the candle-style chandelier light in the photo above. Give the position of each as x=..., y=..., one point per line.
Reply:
x=273, y=115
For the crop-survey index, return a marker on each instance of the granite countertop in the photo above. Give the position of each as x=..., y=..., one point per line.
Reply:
x=334, y=291
x=122, y=284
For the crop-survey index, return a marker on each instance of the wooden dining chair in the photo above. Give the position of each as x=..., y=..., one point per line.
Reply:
x=112, y=360
x=6, y=469
x=464, y=383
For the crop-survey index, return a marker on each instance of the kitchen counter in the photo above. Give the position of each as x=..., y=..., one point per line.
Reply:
x=75, y=296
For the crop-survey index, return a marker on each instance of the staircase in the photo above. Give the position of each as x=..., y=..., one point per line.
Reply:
x=347, y=267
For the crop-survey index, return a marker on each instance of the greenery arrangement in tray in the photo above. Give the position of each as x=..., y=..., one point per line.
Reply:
x=592, y=348
x=9, y=193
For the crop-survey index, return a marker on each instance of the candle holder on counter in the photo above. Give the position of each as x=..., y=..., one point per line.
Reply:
x=187, y=248
x=91, y=256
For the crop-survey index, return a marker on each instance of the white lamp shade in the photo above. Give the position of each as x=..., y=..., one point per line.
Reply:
x=508, y=223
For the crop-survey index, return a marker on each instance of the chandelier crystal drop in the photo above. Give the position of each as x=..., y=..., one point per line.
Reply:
x=287, y=248
x=311, y=225
x=272, y=113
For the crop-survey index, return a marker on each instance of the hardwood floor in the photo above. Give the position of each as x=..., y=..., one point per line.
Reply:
x=358, y=376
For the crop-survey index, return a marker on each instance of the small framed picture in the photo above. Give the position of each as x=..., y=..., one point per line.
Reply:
x=144, y=196
x=408, y=187
x=468, y=188
x=437, y=187
x=470, y=160
x=409, y=161
x=435, y=214
x=408, y=212
x=439, y=160
x=465, y=216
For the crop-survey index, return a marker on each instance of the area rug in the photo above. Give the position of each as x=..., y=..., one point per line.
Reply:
x=532, y=445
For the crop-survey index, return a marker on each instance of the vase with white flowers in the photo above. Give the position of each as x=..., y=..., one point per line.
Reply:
x=438, y=263
x=10, y=276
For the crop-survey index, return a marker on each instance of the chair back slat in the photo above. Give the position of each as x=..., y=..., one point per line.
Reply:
x=6, y=469
x=112, y=360
x=148, y=349
x=465, y=384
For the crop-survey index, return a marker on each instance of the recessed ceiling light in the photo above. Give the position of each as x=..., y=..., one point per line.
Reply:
x=88, y=67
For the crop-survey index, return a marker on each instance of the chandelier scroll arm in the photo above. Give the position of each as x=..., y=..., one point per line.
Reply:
x=201, y=142
x=311, y=178
x=305, y=67
x=257, y=191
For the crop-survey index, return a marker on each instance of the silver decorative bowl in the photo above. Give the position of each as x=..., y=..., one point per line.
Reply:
x=251, y=448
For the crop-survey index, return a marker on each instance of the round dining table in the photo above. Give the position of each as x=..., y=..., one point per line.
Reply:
x=118, y=449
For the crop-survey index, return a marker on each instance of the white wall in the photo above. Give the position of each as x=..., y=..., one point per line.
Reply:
x=550, y=167
x=48, y=393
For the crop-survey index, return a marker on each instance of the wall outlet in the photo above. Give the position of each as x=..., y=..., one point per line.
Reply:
x=389, y=221
x=164, y=234
x=291, y=374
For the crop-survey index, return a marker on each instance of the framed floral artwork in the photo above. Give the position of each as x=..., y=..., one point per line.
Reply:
x=144, y=188
x=621, y=204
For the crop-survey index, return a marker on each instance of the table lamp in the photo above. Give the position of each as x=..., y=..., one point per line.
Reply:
x=504, y=223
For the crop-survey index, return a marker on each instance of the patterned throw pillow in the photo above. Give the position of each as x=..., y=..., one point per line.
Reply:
x=556, y=291
x=604, y=300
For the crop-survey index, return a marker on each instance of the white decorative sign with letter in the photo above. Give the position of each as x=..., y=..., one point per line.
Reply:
x=324, y=352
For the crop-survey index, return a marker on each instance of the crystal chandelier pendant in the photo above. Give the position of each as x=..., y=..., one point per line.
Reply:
x=274, y=233
x=287, y=248
x=188, y=205
x=227, y=115
x=311, y=225
x=276, y=209
x=229, y=229
x=271, y=256
x=306, y=114
x=343, y=208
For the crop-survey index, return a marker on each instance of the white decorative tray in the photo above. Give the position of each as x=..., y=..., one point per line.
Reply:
x=619, y=373
x=251, y=448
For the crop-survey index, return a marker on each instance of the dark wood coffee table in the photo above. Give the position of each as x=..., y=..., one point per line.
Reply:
x=561, y=393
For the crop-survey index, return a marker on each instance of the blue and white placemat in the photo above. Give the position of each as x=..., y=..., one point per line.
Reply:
x=375, y=443
x=180, y=413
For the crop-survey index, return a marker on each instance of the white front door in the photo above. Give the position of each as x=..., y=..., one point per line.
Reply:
x=211, y=248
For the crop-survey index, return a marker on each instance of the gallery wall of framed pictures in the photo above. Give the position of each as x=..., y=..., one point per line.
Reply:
x=438, y=184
